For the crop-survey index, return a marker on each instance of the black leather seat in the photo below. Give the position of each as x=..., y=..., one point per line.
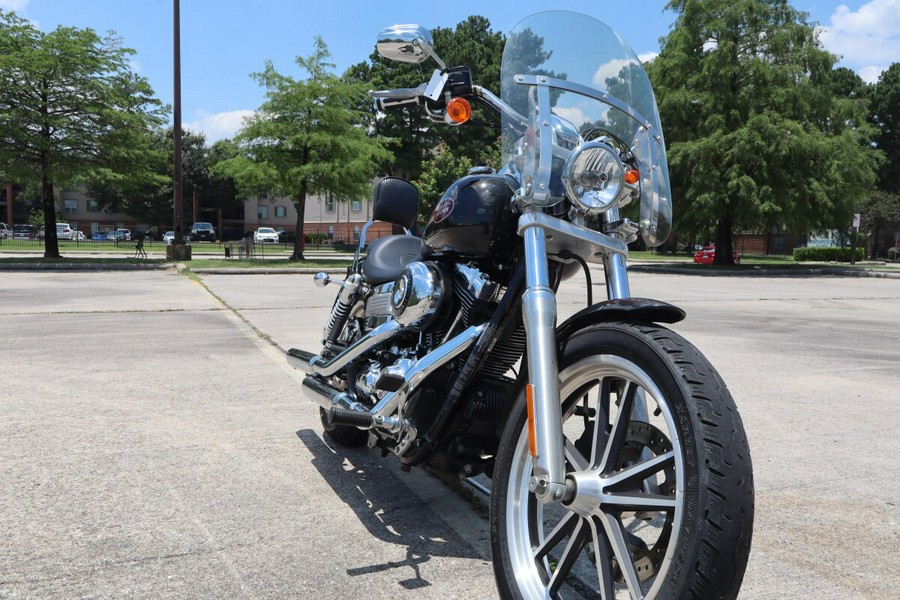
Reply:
x=388, y=255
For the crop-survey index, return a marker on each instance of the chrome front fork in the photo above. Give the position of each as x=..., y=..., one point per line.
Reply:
x=544, y=414
x=546, y=440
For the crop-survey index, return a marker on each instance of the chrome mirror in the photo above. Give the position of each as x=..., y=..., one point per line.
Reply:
x=407, y=43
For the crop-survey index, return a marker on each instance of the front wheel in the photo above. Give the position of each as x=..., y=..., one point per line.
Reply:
x=658, y=458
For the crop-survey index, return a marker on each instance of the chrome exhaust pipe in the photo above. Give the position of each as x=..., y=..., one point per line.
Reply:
x=299, y=359
x=327, y=396
x=314, y=363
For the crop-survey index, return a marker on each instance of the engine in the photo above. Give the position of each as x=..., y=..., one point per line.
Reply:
x=432, y=302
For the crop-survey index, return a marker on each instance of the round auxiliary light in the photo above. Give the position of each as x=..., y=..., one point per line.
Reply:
x=594, y=177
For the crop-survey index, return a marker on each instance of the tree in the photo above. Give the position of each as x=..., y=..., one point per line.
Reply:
x=755, y=135
x=885, y=110
x=308, y=137
x=879, y=211
x=69, y=104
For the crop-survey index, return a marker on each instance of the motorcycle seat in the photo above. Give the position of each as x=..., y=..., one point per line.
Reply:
x=387, y=256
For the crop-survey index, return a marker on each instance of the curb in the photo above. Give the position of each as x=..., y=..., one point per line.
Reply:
x=84, y=267
x=753, y=272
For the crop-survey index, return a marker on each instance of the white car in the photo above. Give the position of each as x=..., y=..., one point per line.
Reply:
x=265, y=234
x=168, y=237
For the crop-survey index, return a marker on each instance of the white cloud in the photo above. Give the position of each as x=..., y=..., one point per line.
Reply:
x=646, y=57
x=871, y=73
x=609, y=70
x=218, y=126
x=17, y=5
x=134, y=66
x=865, y=38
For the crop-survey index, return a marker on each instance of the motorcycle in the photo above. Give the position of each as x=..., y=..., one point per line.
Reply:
x=618, y=462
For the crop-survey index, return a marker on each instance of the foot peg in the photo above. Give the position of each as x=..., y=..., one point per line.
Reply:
x=340, y=416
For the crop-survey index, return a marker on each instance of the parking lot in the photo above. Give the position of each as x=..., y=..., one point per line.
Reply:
x=155, y=444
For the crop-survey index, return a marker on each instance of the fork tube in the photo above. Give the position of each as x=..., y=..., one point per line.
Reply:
x=617, y=288
x=539, y=312
x=614, y=266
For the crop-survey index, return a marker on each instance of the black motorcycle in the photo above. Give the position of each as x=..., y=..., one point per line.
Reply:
x=619, y=466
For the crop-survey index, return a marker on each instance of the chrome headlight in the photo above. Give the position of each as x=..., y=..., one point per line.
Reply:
x=594, y=177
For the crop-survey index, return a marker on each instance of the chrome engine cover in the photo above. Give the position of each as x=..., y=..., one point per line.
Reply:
x=419, y=295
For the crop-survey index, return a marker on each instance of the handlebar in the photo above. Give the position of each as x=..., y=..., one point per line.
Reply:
x=399, y=98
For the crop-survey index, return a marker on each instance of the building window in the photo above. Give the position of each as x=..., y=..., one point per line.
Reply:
x=280, y=212
x=329, y=203
x=356, y=206
x=331, y=232
x=262, y=212
x=93, y=206
x=70, y=207
x=264, y=196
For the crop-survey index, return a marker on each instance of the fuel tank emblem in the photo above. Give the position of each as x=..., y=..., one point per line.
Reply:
x=442, y=210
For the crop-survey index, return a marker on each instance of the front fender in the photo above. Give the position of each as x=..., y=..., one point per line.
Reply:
x=629, y=309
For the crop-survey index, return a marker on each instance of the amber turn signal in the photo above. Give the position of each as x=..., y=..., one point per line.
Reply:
x=631, y=176
x=459, y=110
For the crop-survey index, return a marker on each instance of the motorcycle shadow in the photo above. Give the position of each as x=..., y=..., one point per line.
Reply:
x=388, y=509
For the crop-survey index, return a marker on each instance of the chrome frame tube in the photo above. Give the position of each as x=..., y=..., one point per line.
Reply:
x=539, y=313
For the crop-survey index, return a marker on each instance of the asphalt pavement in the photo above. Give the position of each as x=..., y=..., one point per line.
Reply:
x=156, y=445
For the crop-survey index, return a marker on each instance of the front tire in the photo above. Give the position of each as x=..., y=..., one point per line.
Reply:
x=664, y=500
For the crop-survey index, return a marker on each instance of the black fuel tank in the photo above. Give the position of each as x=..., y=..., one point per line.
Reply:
x=473, y=218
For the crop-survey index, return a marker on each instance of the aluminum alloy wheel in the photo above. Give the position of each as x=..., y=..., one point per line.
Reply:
x=616, y=538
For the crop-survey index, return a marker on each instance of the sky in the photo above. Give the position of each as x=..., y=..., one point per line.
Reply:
x=224, y=41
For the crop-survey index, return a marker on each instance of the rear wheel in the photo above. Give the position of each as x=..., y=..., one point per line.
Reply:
x=656, y=450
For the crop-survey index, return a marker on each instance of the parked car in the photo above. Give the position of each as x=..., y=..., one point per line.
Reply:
x=63, y=232
x=99, y=235
x=265, y=234
x=120, y=235
x=78, y=236
x=287, y=237
x=168, y=237
x=24, y=232
x=6, y=231
x=707, y=256
x=203, y=232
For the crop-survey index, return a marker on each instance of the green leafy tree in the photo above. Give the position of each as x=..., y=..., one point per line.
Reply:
x=885, y=110
x=69, y=104
x=756, y=136
x=879, y=211
x=308, y=137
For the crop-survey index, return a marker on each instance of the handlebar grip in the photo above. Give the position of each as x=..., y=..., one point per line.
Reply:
x=390, y=99
x=386, y=104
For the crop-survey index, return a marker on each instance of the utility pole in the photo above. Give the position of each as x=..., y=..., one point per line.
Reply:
x=179, y=250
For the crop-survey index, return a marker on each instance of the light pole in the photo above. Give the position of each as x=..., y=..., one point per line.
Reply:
x=178, y=247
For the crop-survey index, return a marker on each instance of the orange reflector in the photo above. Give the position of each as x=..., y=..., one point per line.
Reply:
x=529, y=402
x=631, y=176
x=459, y=110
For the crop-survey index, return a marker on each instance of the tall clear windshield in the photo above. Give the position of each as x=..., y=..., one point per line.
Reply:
x=569, y=78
